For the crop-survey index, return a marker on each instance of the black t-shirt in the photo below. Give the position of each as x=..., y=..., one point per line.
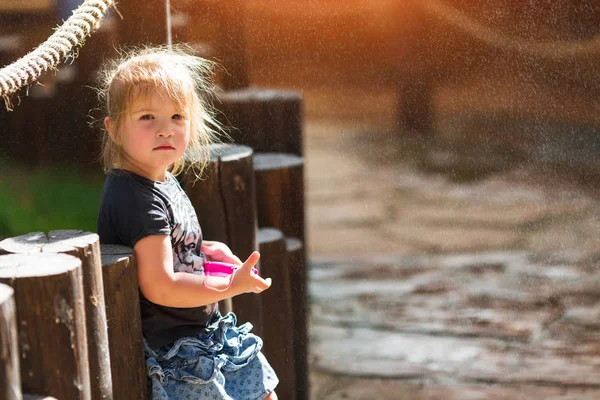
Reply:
x=133, y=207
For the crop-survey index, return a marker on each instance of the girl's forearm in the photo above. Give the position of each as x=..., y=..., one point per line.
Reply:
x=188, y=290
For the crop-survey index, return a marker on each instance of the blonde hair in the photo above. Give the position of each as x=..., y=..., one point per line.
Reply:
x=184, y=79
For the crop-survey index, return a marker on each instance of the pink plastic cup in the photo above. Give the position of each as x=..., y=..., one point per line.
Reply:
x=216, y=268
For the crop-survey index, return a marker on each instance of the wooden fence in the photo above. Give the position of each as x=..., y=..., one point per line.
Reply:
x=72, y=325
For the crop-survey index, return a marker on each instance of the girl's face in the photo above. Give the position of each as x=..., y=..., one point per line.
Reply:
x=154, y=134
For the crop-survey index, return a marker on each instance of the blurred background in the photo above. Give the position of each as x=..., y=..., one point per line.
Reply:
x=451, y=164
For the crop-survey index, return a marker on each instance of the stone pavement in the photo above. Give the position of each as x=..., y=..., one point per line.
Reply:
x=426, y=287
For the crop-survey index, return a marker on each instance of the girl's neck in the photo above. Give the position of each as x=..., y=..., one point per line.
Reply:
x=157, y=176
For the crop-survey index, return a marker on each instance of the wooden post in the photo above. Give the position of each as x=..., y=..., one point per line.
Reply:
x=10, y=380
x=236, y=179
x=280, y=192
x=280, y=204
x=125, y=341
x=298, y=279
x=48, y=291
x=267, y=120
x=239, y=198
x=205, y=195
x=278, y=331
x=233, y=44
x=86, y=247
x=226, y=207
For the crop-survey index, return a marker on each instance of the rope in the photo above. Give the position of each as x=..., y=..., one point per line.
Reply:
x=545, y=49
x=168, y=17
x=55, y=49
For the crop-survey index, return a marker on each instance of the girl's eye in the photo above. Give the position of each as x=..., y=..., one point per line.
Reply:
x=178, y=116
x=147, y=117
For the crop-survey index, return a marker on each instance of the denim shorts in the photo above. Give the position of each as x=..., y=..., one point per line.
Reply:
x=223, y=363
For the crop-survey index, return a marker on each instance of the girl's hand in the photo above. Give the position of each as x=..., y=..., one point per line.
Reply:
x=246, y=281
x=217, y=251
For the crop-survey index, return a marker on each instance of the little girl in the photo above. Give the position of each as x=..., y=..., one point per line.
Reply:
x=157, y=115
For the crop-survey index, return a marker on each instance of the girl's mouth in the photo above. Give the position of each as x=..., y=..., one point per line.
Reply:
x=166, y=147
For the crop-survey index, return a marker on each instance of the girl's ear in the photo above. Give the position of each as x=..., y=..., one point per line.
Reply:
x=109, y=124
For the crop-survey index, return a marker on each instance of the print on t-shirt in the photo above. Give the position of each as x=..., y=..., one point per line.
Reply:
x=185, y=257
x=186, y=238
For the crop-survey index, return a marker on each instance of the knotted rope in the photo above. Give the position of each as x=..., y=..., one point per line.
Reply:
x=544, y=49
x=60, y=45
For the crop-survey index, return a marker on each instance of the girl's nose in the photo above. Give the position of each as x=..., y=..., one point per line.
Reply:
x=164, y=131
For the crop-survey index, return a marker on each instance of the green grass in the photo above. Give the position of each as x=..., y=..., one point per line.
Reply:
x=45, y=199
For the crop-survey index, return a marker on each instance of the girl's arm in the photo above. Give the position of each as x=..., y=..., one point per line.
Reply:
x=160, y=285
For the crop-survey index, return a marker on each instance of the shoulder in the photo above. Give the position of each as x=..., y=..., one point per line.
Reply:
x=125, y=188
x=131, y=208
x=126, y=196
